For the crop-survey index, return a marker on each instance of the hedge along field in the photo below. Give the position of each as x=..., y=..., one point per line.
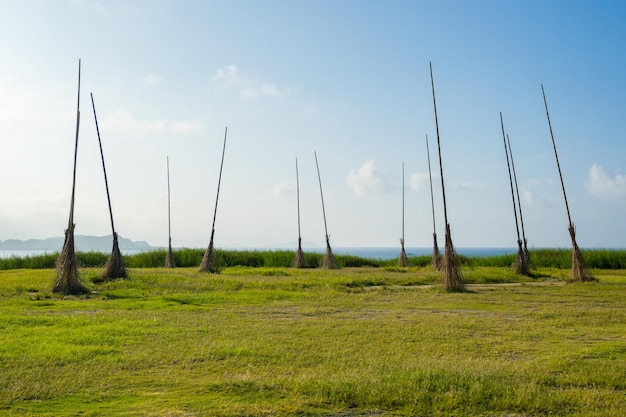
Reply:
x=540, y=258
x=272, y=341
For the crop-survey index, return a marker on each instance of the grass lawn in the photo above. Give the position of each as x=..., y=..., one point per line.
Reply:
x=312, y=342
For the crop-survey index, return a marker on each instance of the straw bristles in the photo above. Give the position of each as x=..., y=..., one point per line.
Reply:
x=527, y=256
x=436, y=258
x=68, y=279
x=114, y=268
x=329, y=259
x=403, y=260
x=298, y=261
x=451, y=273
x=169, y=259
x=579, y=272
x=521, y=265
x=208, y=260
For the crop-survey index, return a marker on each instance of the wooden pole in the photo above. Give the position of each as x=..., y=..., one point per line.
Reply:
x=436, y=262
x=106, y=182
x=114, y=267
x=451, y=274
x=579, y=272
x=71, y=220
x=520, y=260
x=329, y=259
x=207, y=260
x=519, y=205
x=67, y=276
x=169, y=260
x=298, y=261
x=403, y=260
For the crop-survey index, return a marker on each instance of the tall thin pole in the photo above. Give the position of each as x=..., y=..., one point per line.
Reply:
x=329, y=259
x=519, y=202
x=579, y=272
x=430, y=177
x=451, y=274
x=169, y=218
x=506, y=151
x=556, y=155
x=106, y=182
x=436, y=260
x=219, y=180
x=71, y=220
x=403, y=203
x=298, y=202
x=207, y=260
x=319, y=178
x=403, y=260
x=443, y=186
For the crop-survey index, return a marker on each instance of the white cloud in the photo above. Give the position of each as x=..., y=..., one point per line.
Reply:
x=249, y=88
x=153, y=79
x=122, y=120
x=526, y=196
x=187, y=126
x=421, y=180
x=367, y=179
x=604, y=186
x=284, y=188
x=465, y=185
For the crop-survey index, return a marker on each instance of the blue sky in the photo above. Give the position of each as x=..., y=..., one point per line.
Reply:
x=347, y=79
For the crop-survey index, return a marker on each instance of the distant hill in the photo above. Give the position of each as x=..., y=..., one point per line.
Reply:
x=82, y=243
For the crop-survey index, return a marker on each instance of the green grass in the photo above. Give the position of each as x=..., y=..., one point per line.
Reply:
x=540, y=258
x=273, y=341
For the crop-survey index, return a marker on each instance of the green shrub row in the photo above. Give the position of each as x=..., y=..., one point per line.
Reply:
x=540, y=258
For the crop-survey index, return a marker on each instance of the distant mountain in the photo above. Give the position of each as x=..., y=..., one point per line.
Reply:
x=82, y=243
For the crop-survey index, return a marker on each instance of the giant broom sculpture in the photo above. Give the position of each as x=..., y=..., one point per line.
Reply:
x=451, y=274
x=207, y=264
x=403, y=260
x=579, y=272
x=114, y=268
x=298, y=261
x=519, y=205
x=329, y=259
x=67, y=277
x=520, y=265
x=436, y=258
x=169, y=259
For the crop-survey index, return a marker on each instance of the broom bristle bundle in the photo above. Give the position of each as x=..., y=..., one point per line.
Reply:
x=208, y=259
x=329, y=259
x=68, y=279
x=436, y=258
x=114, y=268
x=298, y=261
x=169, y=259
x=520, y=266
x=451, y=276
x=403, y=261
x=579, y=271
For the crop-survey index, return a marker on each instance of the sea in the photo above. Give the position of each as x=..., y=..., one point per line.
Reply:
x=380, y=253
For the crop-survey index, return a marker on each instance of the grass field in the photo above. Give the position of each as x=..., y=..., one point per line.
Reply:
x=279, y=341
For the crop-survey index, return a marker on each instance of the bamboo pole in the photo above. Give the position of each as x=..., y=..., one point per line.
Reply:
x=520, y=261
x=451, y=273
x=169, y=260
x=436, y=258
x=329, y=259
x=519, y=204
x=207, y=264
x=579, y=272
x=67, y=276
x=114, y=268
x=298, y=261
x=403, y=260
